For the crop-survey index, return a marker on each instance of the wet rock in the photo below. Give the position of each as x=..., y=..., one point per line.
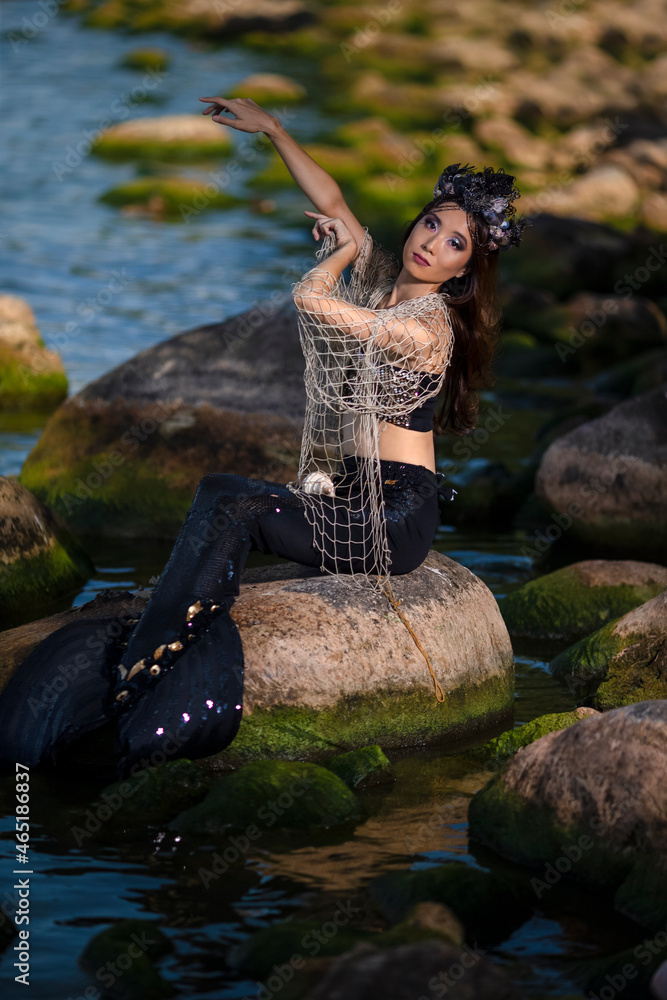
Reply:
x=124, y=456
x=169, y=137
x=361, y=768
x=262, y=952
x=589, y=803
x=507, y=744
x=609, y=477
x=623, y=662
x=365, y=973
x=39, y=559
x=474, y=896
x=268, y=87
x=272, y=794
x=180, y=198
x=573, y=601
x=329, y=668
x=31, y=377
x=156, y=794
x=132, y=946
x=146, y=58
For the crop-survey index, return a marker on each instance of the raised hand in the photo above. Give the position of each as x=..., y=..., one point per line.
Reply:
x=248, y=116
x=325, y=224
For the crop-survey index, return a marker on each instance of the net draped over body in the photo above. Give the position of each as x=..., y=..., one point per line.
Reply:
x=366, y=367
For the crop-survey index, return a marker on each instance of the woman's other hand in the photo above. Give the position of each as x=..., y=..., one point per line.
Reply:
x=249, y=117
x=326, y=224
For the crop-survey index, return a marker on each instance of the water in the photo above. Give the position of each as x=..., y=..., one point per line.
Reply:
x=59, y=250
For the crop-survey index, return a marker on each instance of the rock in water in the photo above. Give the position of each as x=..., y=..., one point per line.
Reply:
x=123, y=457
x=589, y=803
x=574, y=601
x=608, y=477
x=624, y=662
x=331, y=668
x=39, y=559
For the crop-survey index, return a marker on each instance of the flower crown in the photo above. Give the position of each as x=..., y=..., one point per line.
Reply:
x=489, y=192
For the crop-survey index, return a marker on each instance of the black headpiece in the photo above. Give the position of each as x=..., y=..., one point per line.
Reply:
x=489, y=192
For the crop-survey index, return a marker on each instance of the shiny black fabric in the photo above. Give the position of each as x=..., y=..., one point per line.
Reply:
x=193, y=707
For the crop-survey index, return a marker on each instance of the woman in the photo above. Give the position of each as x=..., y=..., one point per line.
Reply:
x=365, y=502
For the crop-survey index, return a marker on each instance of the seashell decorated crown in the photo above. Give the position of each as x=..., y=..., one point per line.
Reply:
x=488, y=192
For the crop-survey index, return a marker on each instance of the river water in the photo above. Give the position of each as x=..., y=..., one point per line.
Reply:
x=59, y=250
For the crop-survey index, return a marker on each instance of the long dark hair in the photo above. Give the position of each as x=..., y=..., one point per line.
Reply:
x=475, y=315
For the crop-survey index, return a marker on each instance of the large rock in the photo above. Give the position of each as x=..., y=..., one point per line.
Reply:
x=124, y=456
x=31, y=377
x=608, y=477
x=623, y=662
x=168, y=137
x=588, y=802
x=576, y=600
x=328, y=669
x=39, y=559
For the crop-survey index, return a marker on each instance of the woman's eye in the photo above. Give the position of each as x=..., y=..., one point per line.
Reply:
x=456, y=243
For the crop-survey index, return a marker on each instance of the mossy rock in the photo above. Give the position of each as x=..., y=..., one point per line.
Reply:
x=363, y=767
x=40, y=559
x=268, y=88
x=574, y=601
x=506, y=745
x=643, y=894
x=488, y=905
x=148, y=58
x=138, y=943
x=155, y=794
x=34, y=381
x=176, y=197
x=273, y=794
x=621, y=663
x=169, y=138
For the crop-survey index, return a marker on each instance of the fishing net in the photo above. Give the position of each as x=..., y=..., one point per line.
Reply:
x=366, y=367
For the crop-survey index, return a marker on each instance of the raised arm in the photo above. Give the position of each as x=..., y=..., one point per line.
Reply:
x=317, y=185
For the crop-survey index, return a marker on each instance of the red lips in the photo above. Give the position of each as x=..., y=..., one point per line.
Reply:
x=421, y=260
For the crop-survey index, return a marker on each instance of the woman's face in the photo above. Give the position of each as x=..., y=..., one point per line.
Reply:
x=442, y=239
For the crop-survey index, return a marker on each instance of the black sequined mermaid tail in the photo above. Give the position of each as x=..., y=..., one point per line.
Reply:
x=176, y=690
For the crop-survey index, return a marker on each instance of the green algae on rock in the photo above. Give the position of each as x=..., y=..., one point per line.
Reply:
x=157, y=793
x=39, y=560
x=362, y=767
x=147, y=58
x=488, y=905
x=587, y=802
x=506, y=745
x=32, y=378
x=272, y=794
x=176, y=197
x=268, y=87
x=143, y=944
x=621, y=663
x=573, y=601
x=169, y=137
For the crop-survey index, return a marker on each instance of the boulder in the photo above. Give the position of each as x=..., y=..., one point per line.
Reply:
x=266, y=794
x=588, y=802
x=168, y=137
x=118, y=944
x=621, y=663
x=179, y=198
x=124, y=456
x=574, y=601
x=39, y=559
x=329, y=667
x=608, y=477
x=31, y=377
x=365, y=973
x=361, y=768
x=507, y=744
x=269, y=87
